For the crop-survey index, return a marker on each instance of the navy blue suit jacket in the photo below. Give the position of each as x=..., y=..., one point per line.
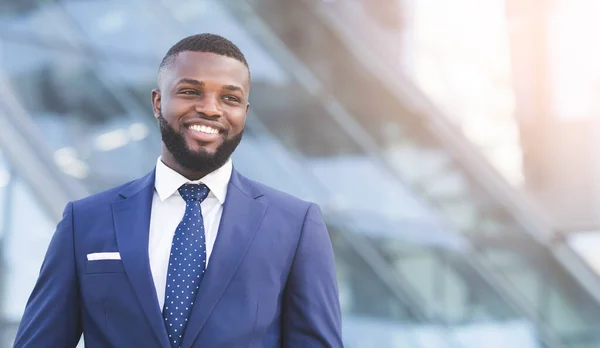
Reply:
x=271, y=280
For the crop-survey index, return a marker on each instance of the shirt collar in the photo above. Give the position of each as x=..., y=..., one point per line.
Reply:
x=168, y=181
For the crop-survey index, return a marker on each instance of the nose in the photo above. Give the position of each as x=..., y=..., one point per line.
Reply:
x=209, y=105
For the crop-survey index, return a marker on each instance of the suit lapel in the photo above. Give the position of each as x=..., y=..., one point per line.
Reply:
x=132, y=225
x=242, y=214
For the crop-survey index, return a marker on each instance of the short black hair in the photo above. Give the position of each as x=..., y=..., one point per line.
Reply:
x=202, y=43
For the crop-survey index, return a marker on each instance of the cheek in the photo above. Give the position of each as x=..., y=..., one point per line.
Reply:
x=237, y=121
x=176, y=107
x=172, y=112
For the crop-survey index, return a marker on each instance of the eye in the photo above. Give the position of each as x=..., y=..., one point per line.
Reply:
x=231, y=98
x=189, y=92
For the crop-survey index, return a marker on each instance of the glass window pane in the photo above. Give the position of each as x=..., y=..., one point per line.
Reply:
x=587, y=245
x=124, y=28
x=99, y=133
x=28, y=21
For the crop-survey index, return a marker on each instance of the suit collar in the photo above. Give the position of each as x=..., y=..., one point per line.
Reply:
x=144, y=183
x=131, y=217
x=246, y=186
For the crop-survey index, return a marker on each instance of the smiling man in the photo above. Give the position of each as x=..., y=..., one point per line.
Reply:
x=193, y=254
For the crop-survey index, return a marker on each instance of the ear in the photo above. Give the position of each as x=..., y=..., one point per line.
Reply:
x=156, y=102
x=247, y=108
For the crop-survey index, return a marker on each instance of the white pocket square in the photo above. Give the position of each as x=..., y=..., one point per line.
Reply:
x=104, y=256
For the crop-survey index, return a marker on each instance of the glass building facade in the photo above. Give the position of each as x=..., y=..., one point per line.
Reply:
x=430, y=250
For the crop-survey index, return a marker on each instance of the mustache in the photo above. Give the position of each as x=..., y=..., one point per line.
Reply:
x=190, y=120
x=198, y=116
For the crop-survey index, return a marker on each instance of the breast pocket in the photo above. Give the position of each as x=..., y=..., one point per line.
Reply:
x=104, y=266
x=103, y=279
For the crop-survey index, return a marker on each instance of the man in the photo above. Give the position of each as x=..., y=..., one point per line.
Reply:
x=193, y=254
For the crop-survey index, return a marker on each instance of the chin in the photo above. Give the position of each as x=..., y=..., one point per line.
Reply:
x=203, y=150
x=211, y=147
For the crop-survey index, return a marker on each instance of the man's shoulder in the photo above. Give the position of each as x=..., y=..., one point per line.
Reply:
x=107, y=196
x=279, y=198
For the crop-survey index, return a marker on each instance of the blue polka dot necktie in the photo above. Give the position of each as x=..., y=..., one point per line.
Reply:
x=186, y=263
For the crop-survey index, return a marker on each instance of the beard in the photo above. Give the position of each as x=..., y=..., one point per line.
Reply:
x=198, y=160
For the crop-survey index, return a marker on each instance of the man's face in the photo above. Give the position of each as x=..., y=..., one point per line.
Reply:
x=201, y=106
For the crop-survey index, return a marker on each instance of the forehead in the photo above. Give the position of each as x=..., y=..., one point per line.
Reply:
x=207, y=67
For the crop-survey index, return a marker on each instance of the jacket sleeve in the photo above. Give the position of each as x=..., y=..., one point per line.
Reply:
x=311, y=307
x=52, y=315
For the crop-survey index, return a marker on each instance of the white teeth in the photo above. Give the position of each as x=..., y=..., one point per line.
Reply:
x=204, y=129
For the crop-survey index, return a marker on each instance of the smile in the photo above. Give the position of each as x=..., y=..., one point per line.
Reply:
x=203, y=129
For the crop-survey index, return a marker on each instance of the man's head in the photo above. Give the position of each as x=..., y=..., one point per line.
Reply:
x=201, y=103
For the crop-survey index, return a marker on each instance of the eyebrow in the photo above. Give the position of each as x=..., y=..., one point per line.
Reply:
x=190, y=82
x=231, y=88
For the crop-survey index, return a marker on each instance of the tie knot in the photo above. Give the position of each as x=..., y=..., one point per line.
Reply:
x=193, y=192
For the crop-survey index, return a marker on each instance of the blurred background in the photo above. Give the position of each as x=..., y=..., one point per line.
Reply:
x=451, y=145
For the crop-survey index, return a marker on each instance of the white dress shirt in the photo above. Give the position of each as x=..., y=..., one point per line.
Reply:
x=168, y=208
